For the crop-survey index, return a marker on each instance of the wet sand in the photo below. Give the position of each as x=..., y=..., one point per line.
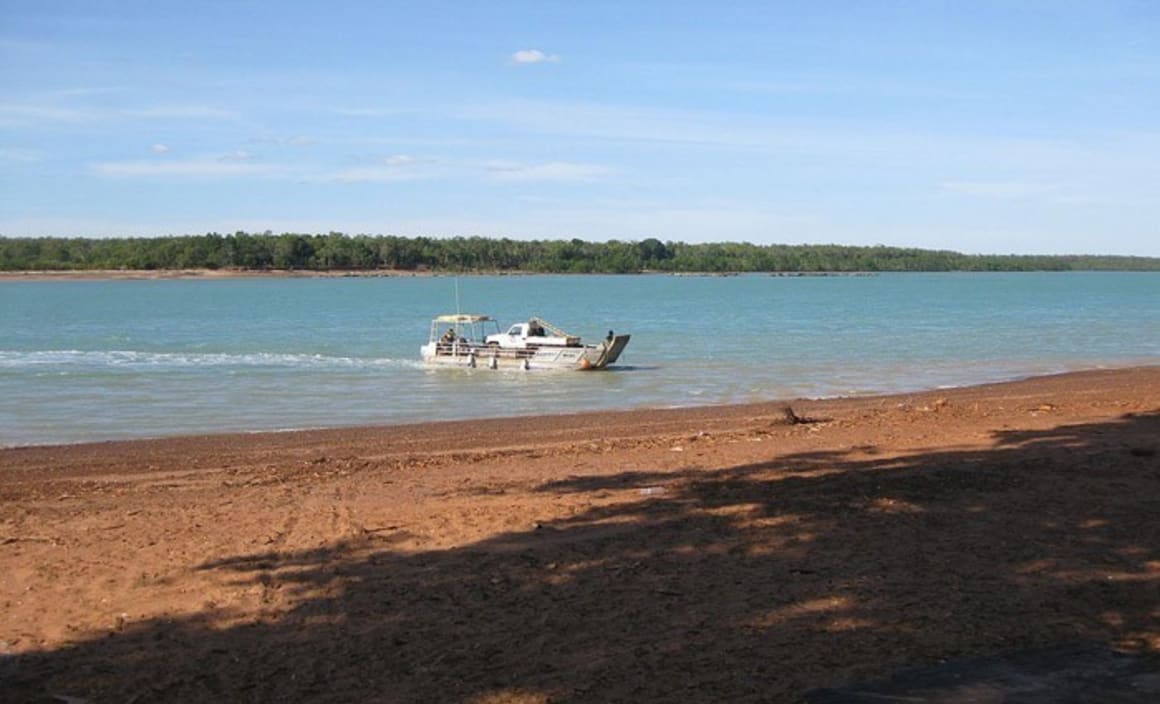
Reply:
x=737, y=553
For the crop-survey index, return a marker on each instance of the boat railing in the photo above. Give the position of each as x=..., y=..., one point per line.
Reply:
x=485, y=352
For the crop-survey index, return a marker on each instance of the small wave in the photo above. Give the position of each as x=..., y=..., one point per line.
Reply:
x=135, y=360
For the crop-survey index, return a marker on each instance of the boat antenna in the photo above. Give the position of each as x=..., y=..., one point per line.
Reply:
x=457, y=313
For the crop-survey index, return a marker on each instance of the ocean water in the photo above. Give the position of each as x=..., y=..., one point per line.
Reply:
x=99, y=360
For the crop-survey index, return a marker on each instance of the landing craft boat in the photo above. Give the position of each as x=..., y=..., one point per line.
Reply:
x=462, y=340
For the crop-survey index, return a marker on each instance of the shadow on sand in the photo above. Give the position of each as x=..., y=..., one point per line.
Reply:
x=752, y=583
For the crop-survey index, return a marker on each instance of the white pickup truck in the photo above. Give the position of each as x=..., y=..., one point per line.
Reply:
x=532, y=334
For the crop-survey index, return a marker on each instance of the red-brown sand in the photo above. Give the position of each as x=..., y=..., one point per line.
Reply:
x=735, y=554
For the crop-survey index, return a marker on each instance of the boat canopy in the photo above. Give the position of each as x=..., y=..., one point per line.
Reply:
x=461, y=318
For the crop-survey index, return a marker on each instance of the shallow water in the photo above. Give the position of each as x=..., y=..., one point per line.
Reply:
x=94, y=360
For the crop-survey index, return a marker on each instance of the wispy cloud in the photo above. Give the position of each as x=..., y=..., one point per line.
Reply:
x=365, y=111
x=622, y=122
x=23, y=114
x=533, y=56
x=400, y=160
x=376, y=174
x=405, y=167
x=300, y=140
x=393, y=168
x=180, y=112
x=1002, y=190
x=159, y=148
x=837, y=139
x=235, y=157
x=396, y=167
x=20, y=156
x=550, y=171
x=16, y=114
x=804, y=84
x=190, y=168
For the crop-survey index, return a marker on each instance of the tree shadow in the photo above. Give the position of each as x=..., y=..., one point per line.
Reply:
x=752, y=583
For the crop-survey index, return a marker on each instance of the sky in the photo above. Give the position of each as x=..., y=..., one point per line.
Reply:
x=1006, y=127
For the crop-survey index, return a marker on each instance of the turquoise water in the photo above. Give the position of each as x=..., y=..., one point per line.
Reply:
x=96, y=360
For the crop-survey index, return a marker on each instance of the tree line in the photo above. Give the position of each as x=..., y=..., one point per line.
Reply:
x=339, y=252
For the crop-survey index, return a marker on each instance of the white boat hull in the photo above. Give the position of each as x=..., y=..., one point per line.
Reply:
x=579, y=357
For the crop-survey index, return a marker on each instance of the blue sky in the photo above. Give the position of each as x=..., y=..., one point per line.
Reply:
x=994, y=127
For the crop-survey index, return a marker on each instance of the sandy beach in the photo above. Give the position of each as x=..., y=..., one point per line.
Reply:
x=737, y=553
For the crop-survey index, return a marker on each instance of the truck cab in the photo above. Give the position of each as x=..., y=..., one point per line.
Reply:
x=531, y=334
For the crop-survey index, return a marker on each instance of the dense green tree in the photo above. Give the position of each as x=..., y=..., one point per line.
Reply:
x=337, y=251
x=653, y=252
x=293, y=252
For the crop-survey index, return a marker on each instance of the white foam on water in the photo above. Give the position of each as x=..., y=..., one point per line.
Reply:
x=146, y=361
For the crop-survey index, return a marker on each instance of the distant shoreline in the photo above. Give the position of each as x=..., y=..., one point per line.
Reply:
x=214, y=274
x=152, y=274
x=194, y=274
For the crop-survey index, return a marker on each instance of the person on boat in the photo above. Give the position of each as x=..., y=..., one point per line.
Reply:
x=610, y=336
x=447, y=341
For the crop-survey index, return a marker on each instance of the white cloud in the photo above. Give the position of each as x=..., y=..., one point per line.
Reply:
x=396, y=167
x=23, y=114
x=1003, y=190
x=159, y=149
x=533, y=56
x=366, y=111
x=296, y=141
x=403, y=167
x=193, y=168
x=180, y=112
x=550, y=171
x=14, y=115
x=399, y=160
x=20, y=156
x=376, y=174
x=1027, y=157
x=236, y=156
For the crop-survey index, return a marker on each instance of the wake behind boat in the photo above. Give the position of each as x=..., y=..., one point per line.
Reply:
x=463, y=340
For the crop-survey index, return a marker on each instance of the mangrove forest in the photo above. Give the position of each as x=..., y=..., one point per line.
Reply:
x=340, y=252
